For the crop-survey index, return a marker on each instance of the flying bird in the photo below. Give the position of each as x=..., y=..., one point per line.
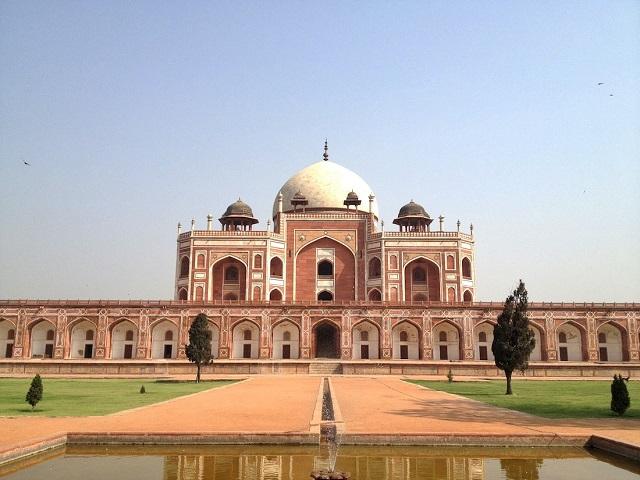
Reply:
x=611, y=94
x=600, y=83
x=26, y=163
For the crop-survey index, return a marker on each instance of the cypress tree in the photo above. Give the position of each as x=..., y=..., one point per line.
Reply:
x=34, y=395
x=619, y=395
x=513, y=341
x=199, y=348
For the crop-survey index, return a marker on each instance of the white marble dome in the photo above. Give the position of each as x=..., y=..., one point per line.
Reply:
x=325, y=184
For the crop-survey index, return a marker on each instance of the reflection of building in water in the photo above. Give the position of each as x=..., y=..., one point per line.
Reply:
x=245, y=467
x=296, y=467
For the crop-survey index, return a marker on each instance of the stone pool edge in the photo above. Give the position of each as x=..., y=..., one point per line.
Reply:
x=24, y=451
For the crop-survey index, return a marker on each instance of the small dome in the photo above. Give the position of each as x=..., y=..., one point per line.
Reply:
x=352, y=195
x=238, y=209
x=299, y=197
x=413, y=209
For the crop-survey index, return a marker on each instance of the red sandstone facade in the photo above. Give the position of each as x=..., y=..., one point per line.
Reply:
x=325, y=282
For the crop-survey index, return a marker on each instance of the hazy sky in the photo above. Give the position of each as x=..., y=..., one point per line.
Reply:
x=137, y=115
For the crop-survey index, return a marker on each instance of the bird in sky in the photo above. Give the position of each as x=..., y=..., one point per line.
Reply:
x=26, y=163
x=611, y=94
x=600, y=83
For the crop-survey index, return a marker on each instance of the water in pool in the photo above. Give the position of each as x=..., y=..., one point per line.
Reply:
x=296, y=463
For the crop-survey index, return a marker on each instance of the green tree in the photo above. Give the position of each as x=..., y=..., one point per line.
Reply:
x=513, y=341
x=34, y=395
x=619, y=395
x=199, y=348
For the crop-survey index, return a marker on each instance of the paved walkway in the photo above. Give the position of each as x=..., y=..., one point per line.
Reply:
x=285, y=405
x=386, y=404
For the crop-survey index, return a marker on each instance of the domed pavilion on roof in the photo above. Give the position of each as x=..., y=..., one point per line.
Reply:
x=324, y=279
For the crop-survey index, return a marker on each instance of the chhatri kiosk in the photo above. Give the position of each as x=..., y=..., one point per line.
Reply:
x=323, y=281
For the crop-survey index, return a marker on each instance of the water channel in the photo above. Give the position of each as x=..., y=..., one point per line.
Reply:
x=296, y=462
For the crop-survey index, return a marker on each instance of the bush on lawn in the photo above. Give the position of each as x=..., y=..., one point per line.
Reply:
x=34, y=395
x=619, y=395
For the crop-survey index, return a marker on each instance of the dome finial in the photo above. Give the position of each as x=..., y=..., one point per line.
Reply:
x=325, y=155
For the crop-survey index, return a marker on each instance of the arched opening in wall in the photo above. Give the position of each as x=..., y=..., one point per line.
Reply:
x=184, y=267
x=375, y=268
x=422, y=277
x=366, y=341
x=326, y=340
x=325, y=296
x=257, y=261
x=286, y=340
x=215, y=339
x=325, y=269
x=466, y=268
x=163, y=340
x=42, y=339
x=229, y=276
x=451, y=262
x=200, y=261
x=183, y=295
x=257, y=294
x=7, y=338
x=446, y=340
x=405, y=341
x=483, y=339
x=571, y=346
x=199, y=294
x=124, y=337
x=451, y=295
x=275, y=295
x=246, y=336
x=275, y=267
x=467, y=297
x=611, y=343
x=325, y=264
x=539, y=349
x=393, y=262
x=374, y=295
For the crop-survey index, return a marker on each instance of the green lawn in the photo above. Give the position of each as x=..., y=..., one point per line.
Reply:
x=552, y=399
x=82, y=397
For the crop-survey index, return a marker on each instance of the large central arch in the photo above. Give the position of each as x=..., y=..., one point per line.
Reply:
x=341, y=283
x=326, y=340
x=422, y=281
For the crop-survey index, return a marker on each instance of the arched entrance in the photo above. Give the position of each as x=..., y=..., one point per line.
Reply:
x=327, y=341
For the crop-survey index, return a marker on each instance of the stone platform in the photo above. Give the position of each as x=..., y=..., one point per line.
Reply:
x=305, y=367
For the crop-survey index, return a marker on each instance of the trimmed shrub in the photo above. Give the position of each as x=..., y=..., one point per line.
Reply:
x=142, y=389
x=620, y=400
x=34, y=395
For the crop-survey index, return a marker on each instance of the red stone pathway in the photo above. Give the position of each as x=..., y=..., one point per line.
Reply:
x=285, y=405
x=386, y=404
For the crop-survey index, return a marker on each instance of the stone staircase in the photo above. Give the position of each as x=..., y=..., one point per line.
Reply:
x=325, y=368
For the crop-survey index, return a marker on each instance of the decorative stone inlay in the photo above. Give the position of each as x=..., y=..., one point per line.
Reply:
x=305, y=237
x=409, y=257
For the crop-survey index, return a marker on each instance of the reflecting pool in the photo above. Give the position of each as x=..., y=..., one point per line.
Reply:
x=296, y=462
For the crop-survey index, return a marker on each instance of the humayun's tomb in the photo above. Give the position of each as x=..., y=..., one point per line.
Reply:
x=323, y=281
